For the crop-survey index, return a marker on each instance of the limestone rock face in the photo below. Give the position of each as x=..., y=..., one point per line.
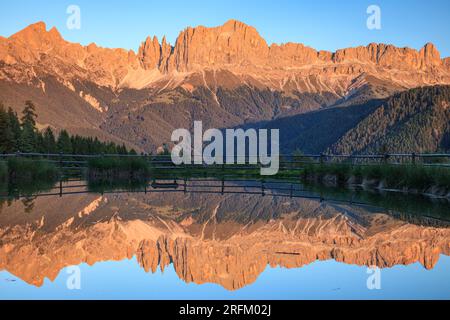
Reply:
x=234, y=46
x=45, y=52
x=150, y=53
x=446, y=63
x=225, y=76
x=208, y=239
x=234, y=43
x=237, y=45
x=391, y=57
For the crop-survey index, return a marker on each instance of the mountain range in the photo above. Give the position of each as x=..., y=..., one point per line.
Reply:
x=226, y=76
x=208, y=238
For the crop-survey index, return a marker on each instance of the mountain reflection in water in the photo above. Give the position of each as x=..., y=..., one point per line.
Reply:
x=226, y=239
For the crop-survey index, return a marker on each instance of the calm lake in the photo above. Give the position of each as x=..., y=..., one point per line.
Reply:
x=222, y=240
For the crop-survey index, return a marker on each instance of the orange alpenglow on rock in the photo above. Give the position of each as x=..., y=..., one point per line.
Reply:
x=235, y=47
x=224, y=250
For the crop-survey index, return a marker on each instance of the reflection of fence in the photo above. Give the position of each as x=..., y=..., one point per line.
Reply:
x=196, y=185
x=72, y=164
x=262, y=188
x=188, y=185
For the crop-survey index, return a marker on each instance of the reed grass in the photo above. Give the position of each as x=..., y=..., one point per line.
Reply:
x=118, y=168
x=392, y=176
x=3, y=172
x=30, y=170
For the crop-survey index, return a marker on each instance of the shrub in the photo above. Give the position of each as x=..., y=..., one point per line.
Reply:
x=29, y=170
x=391, y=175
x=134, y=168
x=417, y=177
x=342, y=172
x=394, y=176
x=441, y=177
x=3, y=171
x=371, y=171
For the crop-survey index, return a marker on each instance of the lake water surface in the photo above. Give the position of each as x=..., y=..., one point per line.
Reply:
x=240, y=242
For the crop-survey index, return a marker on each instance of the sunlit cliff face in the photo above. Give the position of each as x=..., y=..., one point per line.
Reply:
x=233, y=46
x=227, y=240
x=225, y=76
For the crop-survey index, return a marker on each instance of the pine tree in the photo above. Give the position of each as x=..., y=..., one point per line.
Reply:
x=122, y=149
x=15, y=128
x=64, y=143
x=23, y=136
x=29, y=114
x=49, y=142
x=40, y=142
x=27, y=141
x=7, y=142
x=28, y=138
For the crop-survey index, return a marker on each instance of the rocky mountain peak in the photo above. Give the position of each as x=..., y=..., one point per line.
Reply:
x=430, y=55
x=233, y=46
x=233, y=43
x=35, y=28
x=37, y=36
x=150, y=53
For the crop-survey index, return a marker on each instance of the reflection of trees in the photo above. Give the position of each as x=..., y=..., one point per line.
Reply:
x=5, y=202
x=28, y=203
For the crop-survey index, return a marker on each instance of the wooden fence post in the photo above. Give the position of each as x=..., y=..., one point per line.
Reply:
x=60, y=163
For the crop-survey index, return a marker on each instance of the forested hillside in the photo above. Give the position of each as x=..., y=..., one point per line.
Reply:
x=22, y=135
x=314, y=132
x=417, y=120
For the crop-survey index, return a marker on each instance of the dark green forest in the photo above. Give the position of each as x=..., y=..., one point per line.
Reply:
x=21, y=135
x=417, y=120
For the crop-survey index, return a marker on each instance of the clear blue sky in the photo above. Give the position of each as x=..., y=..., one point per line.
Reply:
x=326, y=24
x=319, y=280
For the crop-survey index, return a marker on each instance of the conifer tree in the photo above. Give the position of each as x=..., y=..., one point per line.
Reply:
x=27, y=141
x=23, y=136
x=29, y=114
x=49, y=142
x=15, y=128
x=64, y=143
x=7, y=143
x=28, y=137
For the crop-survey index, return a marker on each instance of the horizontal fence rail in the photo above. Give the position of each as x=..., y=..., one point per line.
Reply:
x=206, y=186
x=164, y=162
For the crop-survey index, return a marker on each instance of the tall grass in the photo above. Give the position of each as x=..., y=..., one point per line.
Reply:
x=392, y=176
x=3, y=172
x=22, y=170
x=408, y=204
x=318, y=172
x=118, y=168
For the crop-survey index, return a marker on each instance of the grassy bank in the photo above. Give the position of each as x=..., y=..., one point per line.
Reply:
x=413, y=205
x=137, y=168
x=402, y=177
x=112, y=185
x=20, y=176
x=3, y=172
x=29, y=170
x=118, y=168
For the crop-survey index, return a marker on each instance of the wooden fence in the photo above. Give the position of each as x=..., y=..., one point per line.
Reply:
x=70, y=161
